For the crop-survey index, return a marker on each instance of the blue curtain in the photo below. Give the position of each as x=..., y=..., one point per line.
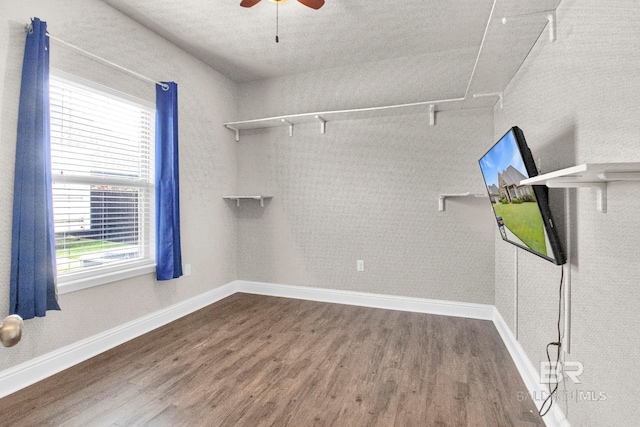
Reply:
x=33, y=265
x=168, y=254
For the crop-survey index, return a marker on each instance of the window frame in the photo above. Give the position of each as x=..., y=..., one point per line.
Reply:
x=75, y=281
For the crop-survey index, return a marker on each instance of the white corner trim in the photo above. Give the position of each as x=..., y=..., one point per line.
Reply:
x=364, y=299
x=555, y=417
x=39, y=368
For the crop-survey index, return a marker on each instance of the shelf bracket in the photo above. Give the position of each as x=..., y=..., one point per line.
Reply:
x=323, y=124
x=549, y=14
x=441, y=205
x=432, y=114
x=600, y=187
x=498, y=94
x=443, y=197
x=551, y=18
x=236, y=130
x=290, y=126
x=237, y=199
x=619, y=176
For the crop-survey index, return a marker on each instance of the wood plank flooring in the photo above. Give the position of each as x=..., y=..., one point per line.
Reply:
x=252, y=360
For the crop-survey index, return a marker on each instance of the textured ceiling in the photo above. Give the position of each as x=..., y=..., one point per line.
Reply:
x=240, y=43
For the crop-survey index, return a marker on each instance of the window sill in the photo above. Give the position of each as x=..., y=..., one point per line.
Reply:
x=71, y=284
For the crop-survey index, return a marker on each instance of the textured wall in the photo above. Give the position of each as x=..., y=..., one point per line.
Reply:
x=207, y=162
x=432, y=76
x=367, y=189
x=577, y=101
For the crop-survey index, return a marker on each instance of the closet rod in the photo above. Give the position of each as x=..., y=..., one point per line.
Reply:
x=484, y=37
x=104, y=61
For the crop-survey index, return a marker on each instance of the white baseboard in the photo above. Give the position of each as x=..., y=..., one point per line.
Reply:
x=555, y=417
x=39, y=368
x=364, y=299
x=529, y=374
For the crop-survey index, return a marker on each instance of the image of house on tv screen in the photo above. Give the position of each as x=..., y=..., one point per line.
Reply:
x=514, y=205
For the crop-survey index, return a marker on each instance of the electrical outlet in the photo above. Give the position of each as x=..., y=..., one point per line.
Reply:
x=187, y=270
x=360, y=265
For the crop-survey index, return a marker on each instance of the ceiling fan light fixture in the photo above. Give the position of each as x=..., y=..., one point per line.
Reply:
x=313, y=4
x=249, y=3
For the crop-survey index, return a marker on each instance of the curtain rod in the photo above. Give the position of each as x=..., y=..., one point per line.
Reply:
x=104, y=61
x=107, y=62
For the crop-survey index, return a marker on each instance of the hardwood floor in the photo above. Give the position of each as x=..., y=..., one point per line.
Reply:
x=252, y=360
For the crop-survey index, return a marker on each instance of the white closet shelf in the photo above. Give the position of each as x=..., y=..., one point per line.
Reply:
x=238, y=198
x=322, y=117
x=443, y=197
x=594, y=175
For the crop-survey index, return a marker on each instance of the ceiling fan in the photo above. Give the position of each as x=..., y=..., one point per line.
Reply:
x=313, y=4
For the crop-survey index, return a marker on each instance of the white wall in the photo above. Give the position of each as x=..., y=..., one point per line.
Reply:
x=577, y=101
x=367, y=189
x=207, y=163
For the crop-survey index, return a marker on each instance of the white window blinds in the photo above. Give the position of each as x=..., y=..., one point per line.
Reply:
x=102, y=163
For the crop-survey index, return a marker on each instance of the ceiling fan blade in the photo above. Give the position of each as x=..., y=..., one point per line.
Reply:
x=313, y=4
x=249, y=3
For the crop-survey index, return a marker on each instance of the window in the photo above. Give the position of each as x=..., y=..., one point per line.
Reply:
x=102, y=162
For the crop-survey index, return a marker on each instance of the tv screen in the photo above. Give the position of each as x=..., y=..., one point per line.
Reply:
x=522, y=211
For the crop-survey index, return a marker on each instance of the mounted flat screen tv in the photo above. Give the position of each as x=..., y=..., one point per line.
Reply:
x=522, y=212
